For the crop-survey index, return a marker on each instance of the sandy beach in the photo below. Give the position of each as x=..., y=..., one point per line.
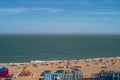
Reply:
x=88, y=66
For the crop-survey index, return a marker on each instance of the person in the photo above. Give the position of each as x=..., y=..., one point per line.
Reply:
x=55, y=78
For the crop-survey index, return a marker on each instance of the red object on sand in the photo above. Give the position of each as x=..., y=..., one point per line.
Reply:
x=4, y=72
x=25, y=74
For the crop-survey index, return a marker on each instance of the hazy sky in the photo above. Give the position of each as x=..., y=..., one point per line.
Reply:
x=59, y=16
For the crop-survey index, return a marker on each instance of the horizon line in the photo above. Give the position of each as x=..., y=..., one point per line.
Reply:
x=56, y=34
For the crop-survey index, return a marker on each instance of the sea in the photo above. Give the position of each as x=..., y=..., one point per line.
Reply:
x=25, y=48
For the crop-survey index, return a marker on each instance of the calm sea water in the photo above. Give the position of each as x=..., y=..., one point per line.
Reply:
x=20, y=48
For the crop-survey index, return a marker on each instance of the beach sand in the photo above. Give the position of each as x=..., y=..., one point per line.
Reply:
x=88, y=66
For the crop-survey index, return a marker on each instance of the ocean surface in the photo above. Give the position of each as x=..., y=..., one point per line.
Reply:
x=24, y=48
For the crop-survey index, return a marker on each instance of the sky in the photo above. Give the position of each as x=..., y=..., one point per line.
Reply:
x=59, y=16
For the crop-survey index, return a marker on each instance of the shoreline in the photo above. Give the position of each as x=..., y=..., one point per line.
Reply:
x=50, y=61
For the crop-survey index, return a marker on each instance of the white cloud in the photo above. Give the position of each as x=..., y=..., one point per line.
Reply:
x=59, y=2
x=106, y=18
x=21, y=10
x=85, y=3
x=13, y=10
x=112, y=2
x=106, y=12
x=108, y=1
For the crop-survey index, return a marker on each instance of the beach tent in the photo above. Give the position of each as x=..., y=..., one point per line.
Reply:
x=4, y=72
x=60, y=71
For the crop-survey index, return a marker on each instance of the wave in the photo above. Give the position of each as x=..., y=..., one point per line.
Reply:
x=51, y=61
x=90, y=59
